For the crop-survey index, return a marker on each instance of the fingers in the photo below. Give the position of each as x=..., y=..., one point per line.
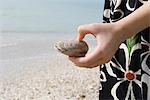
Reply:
x=81, y=63
x=91, y=60
x=83, y=30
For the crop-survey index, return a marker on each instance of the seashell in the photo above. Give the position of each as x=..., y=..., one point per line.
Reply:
x=72, y=48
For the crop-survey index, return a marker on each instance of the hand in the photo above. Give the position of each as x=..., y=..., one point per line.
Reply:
x=110, y=35
x=108, y=40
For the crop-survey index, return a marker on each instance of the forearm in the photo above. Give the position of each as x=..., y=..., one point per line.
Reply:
x=135, y=22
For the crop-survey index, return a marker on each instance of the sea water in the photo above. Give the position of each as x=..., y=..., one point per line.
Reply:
x=59, y=16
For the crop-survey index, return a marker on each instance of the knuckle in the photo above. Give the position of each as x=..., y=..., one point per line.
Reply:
x=93, y=24
x=80, y=28
x=106, y=60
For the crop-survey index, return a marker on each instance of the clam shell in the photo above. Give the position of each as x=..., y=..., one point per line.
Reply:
x=72, y=48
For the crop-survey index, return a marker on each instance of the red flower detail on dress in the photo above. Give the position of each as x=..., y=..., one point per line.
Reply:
x=130, y=75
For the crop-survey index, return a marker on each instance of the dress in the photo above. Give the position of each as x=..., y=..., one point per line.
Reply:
x=127, y=75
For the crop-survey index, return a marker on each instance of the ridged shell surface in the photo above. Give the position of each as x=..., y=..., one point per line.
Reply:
x=72, y=48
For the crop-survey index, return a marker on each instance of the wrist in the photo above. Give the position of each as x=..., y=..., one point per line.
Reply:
x=120, y=31
x=133, y=23
x=126, y=28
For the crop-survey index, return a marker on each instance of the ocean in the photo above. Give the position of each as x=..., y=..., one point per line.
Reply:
x=47, y=16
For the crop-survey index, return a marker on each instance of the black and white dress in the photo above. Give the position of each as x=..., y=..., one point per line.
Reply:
x=127, y=75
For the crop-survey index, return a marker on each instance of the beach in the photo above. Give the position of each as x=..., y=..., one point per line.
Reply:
x=30, y=69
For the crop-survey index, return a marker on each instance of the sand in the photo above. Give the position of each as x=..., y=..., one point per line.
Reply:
x=50, y=76
x=54, y=79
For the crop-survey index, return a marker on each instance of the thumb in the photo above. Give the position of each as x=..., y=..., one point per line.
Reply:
x=83, y=30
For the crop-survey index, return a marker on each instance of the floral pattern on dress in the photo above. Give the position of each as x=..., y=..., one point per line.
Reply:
x=145, y=67
x=127, y=75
